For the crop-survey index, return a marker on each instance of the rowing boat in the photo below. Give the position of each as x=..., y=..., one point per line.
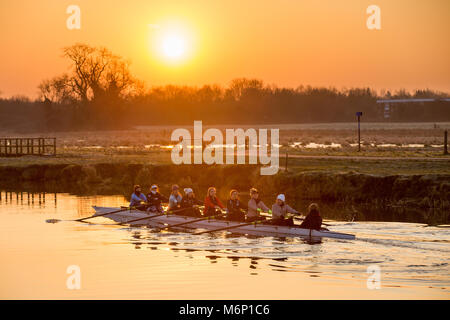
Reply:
x=257, y=229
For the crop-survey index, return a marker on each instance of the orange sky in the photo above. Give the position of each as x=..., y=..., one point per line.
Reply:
x=283, y=42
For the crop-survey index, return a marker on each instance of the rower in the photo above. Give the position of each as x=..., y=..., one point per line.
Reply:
x=235, y=207
x=280, y=210
x=190, y=203
x=254, y=206
x=213, y=206
x=137, y=198
x=313, y=220
x=155, y=199
x=175, y=198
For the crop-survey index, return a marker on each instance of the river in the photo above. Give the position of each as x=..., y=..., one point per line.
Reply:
x=411, y=259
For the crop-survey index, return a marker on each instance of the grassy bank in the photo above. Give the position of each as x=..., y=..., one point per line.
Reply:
x=297, y=163
x=421, y=190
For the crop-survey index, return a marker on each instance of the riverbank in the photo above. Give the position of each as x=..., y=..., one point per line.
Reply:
x=419, y=191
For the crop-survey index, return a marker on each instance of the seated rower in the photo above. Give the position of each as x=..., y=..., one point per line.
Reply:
x=155, y=199
x=190, y=203
x=280, y=210
x=254, y=206
x=175, y=198
x=235, y=207
x=213, y=206
x=313, y=220
x=137, y=198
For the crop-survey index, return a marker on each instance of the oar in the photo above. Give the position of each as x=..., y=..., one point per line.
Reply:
x=296, y=218
x=151, y=217
x=188, y=222
x=101, y=215
x=325, y=224
x=232, y=227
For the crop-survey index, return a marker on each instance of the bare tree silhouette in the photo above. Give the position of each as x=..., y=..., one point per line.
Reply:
x=99, y=89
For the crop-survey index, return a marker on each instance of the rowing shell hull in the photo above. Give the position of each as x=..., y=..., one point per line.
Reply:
x=254, y=229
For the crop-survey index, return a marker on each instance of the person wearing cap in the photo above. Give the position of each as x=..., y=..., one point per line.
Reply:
x=155, y=200
x=280, y=210
x=254, y=206
x=175, y=198
x=213, y=206
x=190, y=203
x=313, y=220
x=137, y=197
x=235, y=208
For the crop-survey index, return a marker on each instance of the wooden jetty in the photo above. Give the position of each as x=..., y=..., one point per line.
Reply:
x=16, y=147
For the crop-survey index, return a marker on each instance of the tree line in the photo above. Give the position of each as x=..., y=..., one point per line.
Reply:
x=98, y=91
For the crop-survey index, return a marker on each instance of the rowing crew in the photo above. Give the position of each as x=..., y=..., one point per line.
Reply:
x=235, y=209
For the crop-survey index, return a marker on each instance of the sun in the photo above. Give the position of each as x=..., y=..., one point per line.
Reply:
x=172, y=42
x=173, y=47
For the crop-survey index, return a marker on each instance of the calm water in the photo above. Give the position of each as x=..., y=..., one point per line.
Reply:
x=138, y=263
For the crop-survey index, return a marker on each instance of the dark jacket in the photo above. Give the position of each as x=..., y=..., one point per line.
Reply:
x=235, y=210
x=155, y=199
x=235, y=206
x=312, y=221
x=187, y=202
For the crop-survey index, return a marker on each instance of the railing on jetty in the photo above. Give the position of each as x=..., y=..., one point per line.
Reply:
x=16, y=147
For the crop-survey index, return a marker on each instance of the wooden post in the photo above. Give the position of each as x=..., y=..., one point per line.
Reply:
x=358, y=115
x=359, y=135
x=54, y=147
x=445, y=143
x=286, y=162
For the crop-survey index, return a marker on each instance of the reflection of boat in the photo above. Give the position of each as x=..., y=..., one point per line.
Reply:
x=209, y=224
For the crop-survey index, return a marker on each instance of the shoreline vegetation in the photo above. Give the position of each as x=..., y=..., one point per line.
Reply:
x=427, y=193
